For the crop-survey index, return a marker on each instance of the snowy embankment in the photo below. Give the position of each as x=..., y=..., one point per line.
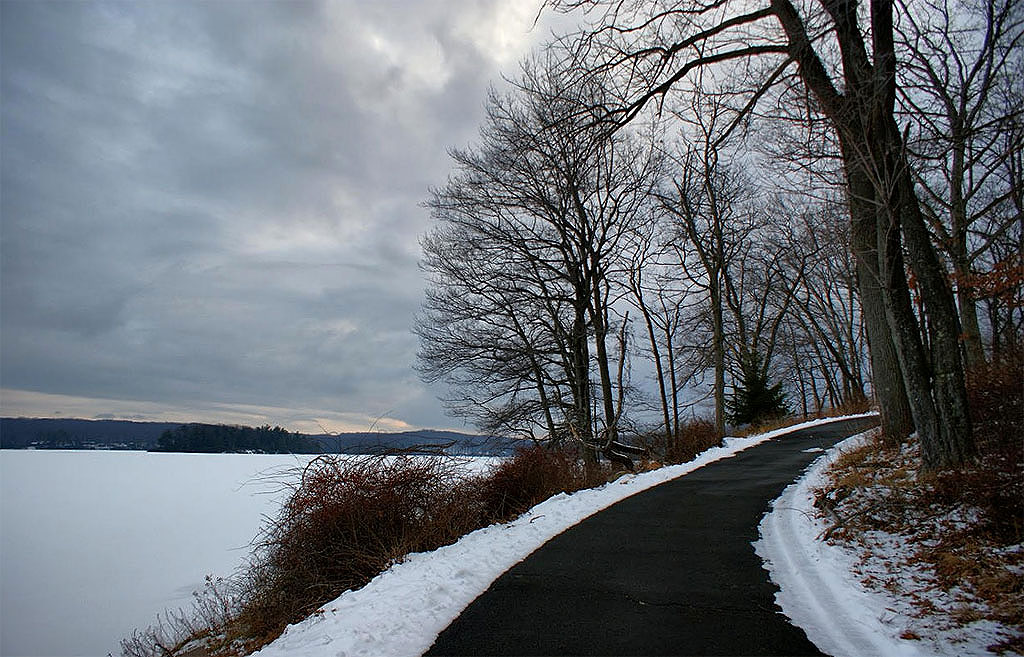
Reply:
x=821, y=591
x=402, y=610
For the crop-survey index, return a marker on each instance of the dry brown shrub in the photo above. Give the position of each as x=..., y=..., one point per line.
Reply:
x=996, y=395
x=346, y=520
x=693, y=437
x=996, y=482
x=531, y=476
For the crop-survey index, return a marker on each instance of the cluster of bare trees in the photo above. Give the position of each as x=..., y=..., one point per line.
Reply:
x=536, y=227
x=733, y=193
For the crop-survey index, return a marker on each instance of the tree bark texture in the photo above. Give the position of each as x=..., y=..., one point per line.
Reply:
x=896, y=419
x=881, y=187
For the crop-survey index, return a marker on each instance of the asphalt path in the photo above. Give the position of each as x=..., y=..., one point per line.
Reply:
x=669, y=571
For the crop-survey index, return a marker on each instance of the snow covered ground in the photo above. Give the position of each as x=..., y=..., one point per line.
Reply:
x=402, y=610
x=96, y=544
x=821, y=591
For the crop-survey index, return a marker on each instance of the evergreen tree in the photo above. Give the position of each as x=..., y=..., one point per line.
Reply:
x=755, y=399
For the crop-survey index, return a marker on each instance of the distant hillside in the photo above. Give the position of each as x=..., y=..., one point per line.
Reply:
x=48, y=433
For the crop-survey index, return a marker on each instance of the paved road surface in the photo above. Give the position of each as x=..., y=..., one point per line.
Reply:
x=669, y=571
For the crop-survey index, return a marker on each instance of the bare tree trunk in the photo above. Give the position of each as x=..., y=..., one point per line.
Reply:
x=938, y=408
x=718, y=348
x=799, y=375
x=894, y=407
x=956, y=441
x=974, y=351
x=814, y=393
x=670, y=348
x=660, y=373
x=659, y=370
x=953, y=441
x=599, y=320
x=904, y=330
x=581, y=387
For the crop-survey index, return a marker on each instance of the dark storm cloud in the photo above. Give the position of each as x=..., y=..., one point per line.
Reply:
x=218, y=201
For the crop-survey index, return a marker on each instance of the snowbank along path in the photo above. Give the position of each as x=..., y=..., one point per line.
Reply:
x=403, y=610
x=813, y=591
x=821, y=592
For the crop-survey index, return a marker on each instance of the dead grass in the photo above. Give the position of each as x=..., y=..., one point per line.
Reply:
x=963, y=528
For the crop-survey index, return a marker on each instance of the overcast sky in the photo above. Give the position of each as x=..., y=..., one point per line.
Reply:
x=210, y=210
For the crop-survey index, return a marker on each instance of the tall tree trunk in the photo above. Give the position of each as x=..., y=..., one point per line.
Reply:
x=904, y=329
x=974, y=351
x=878, y=173
x=674, y=384
x=659, y=370
x=818, y=405
x=718, y=349
x=599, y=320
x=956, y=440
x=582, y=422
x=894, y=407
x=953, y=442
x=799, y=372
x=538, y=375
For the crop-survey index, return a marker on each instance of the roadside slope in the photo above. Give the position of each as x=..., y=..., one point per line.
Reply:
x=873, y=595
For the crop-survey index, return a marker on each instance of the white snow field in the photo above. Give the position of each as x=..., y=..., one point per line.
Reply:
x=96, y=544
x=821, y=593
x=401, y=611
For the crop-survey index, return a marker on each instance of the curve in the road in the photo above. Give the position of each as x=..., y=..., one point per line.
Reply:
x=669, y=571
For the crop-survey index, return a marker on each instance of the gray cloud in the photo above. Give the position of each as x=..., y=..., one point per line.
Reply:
x=216, y=204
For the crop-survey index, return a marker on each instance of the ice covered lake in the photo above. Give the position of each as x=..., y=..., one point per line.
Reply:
x=94, y=544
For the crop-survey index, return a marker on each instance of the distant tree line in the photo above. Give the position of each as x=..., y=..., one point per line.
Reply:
x=65, y=433
x=54, y=433
x=222, y=438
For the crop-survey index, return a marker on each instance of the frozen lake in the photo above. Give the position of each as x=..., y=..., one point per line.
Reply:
x=95, y=544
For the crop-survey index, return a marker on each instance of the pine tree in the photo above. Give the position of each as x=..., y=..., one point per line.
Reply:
x=754, y=399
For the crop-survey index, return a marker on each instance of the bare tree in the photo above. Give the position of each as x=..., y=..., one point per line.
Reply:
x=846, y=60
x=706, y=205
x=804, y=159
x=826, y=320
x=660, y=305
x=494, y=326
x=958, y=57
x=542, y=216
